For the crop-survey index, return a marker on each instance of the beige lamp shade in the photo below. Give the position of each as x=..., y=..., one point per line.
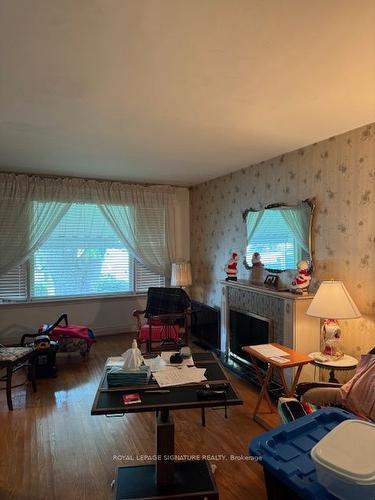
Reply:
x=181, y=274
x=332, y=301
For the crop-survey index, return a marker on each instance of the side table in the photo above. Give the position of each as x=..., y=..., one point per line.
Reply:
x=294, y=359
x=345, y=363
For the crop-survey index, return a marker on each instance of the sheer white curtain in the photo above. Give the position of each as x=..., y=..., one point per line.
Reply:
x=144, y=221
x=24, y=224
x=142, y=216
x=298, y=220
x=252, y=221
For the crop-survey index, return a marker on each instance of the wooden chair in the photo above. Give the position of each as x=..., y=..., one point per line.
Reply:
x=13, y=359
x=167, y=317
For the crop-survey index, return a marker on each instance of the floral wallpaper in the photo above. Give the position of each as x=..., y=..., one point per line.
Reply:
x=340, y=174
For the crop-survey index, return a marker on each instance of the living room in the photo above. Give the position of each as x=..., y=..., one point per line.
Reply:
x=139, y=138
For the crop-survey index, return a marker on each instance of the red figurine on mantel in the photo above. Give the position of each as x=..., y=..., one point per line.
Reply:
x=231, y=267
x=301, y=282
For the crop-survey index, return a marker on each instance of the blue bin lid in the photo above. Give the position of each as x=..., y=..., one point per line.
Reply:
x=285, y=451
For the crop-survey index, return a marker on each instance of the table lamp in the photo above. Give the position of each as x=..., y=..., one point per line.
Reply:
x=181, y=274
x=332, y=302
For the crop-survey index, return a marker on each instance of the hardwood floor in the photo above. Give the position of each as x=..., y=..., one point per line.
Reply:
x=52, y=448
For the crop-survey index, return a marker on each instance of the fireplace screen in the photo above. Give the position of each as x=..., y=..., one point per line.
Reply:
x=247, y=329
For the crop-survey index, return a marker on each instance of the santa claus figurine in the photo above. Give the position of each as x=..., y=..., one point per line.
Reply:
x=231, y=267
x=301, y=282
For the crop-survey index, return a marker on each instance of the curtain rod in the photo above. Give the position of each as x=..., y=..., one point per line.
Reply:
x=59, y=176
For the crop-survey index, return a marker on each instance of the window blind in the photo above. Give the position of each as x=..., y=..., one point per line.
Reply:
x=13, y=284
x=84, y=256
x=145, y=278
x=151, y=243
x=275, y=242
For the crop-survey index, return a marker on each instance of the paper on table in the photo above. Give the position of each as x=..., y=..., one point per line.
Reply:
x=166, y=355
x=171, y=376
x=269, y=350
x=279, y=359
x=155, y=364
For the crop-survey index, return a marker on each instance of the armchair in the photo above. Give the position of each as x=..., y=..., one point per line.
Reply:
x=357, y=395
x=167, y=316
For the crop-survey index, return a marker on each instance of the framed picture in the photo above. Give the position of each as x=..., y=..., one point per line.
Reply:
x=272, y=281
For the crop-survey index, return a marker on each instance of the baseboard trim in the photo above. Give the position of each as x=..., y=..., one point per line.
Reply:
x=100, y=331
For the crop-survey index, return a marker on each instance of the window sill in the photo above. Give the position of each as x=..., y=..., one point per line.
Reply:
x=66, y=300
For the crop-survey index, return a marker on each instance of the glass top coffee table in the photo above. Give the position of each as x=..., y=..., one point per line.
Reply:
x=166, y=478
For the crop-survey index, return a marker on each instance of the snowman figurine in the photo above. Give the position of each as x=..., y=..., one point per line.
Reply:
x=257, y=269
x=256, y=260
x=301, y=281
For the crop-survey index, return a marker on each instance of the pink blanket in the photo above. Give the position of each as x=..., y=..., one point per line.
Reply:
x=358, y=395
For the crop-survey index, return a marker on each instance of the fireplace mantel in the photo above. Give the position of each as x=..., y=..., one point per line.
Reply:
x=245, y=285
x=287, y=311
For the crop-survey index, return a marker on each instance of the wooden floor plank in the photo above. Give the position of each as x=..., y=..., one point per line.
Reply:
x=53, y=449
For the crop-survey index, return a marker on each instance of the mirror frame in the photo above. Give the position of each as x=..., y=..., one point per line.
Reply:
x=312, y=205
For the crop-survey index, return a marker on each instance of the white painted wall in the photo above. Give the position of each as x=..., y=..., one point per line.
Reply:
x=103, y=315
x=107, y=315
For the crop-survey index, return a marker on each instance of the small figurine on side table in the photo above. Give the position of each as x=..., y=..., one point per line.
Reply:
x=301, y=281
x=231, y=267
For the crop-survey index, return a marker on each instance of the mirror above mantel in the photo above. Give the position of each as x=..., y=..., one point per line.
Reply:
x=281, y=234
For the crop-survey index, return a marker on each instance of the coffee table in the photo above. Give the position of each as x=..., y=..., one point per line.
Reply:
x=167, y=478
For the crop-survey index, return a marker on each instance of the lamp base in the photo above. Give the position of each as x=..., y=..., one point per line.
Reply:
x=331, y=334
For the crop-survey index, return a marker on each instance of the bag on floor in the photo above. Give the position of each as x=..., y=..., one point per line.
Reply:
x=71, y=338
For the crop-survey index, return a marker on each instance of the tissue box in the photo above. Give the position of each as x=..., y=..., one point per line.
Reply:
x=137, y=376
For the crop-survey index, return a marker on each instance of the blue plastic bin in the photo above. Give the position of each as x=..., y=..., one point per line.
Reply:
x=285, y=455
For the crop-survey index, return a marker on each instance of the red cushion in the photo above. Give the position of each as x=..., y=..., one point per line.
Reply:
x=158, y=333
x=72, y=331
x=155, y=322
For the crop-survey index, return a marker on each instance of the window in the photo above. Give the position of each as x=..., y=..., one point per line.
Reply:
x=275, y=242
x=13, y=285
x=83, y=256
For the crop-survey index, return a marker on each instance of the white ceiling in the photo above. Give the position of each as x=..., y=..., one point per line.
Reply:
x=178, y=91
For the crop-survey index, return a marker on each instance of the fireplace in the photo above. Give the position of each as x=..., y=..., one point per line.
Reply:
x=265, y=315
x=246, y=328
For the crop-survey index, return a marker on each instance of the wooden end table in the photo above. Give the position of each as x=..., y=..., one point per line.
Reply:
x=295, y=359
x=346, y=363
